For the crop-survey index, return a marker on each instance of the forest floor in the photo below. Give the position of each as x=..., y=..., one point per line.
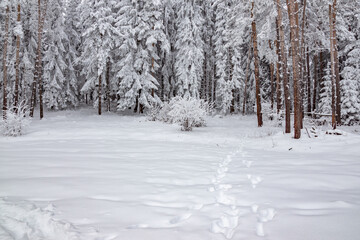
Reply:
x=75, y=175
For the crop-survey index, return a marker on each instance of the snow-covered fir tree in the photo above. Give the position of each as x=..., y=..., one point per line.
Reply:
x=189, y=48
x=55, y=65
x=325, y=93
x=98, y=43
x=143, y=27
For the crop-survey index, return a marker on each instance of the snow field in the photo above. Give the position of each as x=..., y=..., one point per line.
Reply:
x=80, y=176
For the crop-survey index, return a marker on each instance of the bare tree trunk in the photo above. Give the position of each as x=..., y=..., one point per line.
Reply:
x=38, y=62
x=272, y=93
x=99, y=94
x=246, y=77
x=257, y=71
x=278, y=65
x=308, y=81
x=17, y=75
x=333, y=71
x=284, y=68
x=337, y=74
x=315, y=82
x=6, y=39
x=232, y=106
x=295, y=62
x=108, y=86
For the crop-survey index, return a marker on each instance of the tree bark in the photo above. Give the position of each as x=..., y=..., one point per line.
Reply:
x=272, y=93
x=257, y=71
x=99, y=94
x=6, y=39
x=17, y=75
x=278, y=65
x=246, y=77
x=333, y=71
x=284, y=68
x=336, y=58
x=38, y=62
x=294, y=36
x=108, y=102
x=308, y=81
x=315, y=82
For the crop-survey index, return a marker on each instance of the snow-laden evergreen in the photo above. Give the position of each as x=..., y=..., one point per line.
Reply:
x=55, y=65
x=326, y=92
x=99, y=36
x=189, y=49
x=141, y=22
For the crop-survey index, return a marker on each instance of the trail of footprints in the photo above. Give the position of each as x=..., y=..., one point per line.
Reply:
x=229, y=221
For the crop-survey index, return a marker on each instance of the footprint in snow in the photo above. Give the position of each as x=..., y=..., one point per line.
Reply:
x=255, y=180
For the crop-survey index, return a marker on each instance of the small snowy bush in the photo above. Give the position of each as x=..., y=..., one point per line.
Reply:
x=164, y=113
x=153, y=113
x=189, y=112
x=16, y=121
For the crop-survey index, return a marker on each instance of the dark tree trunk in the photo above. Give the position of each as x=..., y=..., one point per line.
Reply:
x=257, y=71
x=99, y=95
x=284, y=68
x=17, y=75
x=333, y=71
x=38, y=62
x=108, y=102
x=293, y=13
x=6, y=39
x=315, y=82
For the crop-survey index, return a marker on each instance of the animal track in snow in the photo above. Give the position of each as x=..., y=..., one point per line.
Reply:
x=255, y=180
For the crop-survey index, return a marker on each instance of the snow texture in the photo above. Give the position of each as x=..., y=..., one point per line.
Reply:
x=80, y=176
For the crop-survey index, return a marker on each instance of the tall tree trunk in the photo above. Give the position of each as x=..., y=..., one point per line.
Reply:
x=315, y=82
x=108, y=102
x=278, y=65
x=336, y=58
x=17, y=75
x=6, y=39
x=99, y=94
x=295, y=62
x=284, y=68
x=246, y=77
x=38, y=62
x=257, y=71
x=272, y=93
x=333, y=71
x=308, y=81
x=232, y=106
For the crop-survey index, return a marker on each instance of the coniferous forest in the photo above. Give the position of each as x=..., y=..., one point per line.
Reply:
x=293, y=57
x=180, y=119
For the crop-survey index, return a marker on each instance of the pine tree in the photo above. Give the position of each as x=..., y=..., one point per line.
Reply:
x=326, y=93
x=189, y=49
x=55, y=66
x=98, y=43
x=350, y=104
x=141, y=22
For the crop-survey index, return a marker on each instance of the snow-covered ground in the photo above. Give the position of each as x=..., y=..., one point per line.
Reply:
x=76, y=175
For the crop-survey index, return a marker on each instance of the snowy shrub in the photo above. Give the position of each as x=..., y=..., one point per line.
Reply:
x=153, y=112
x=16, y=121
x=164, y=113
x=189, y=112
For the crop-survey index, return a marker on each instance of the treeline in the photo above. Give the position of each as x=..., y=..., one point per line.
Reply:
x=281, y=56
